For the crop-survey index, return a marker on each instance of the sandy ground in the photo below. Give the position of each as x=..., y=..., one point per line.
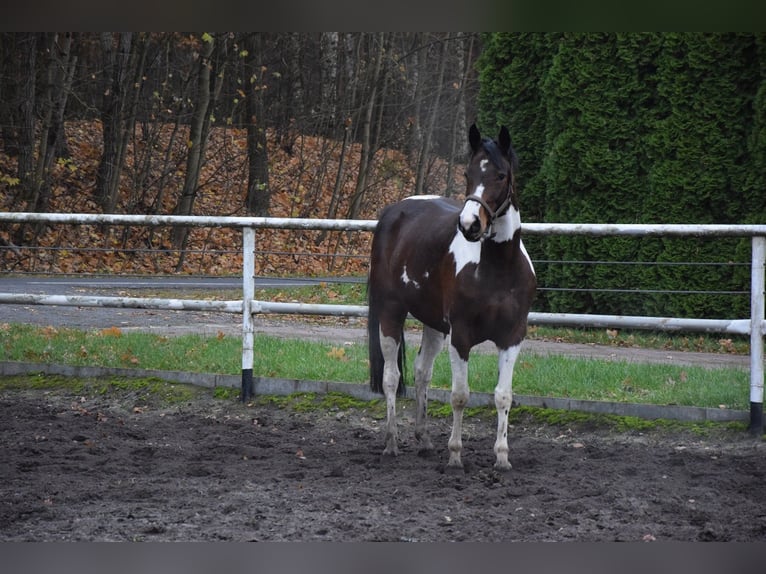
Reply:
x=118, y=466
x=121, y=466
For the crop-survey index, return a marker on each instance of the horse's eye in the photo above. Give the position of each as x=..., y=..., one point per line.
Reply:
x=501, y=176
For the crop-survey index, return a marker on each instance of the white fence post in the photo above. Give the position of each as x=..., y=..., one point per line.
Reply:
x=756, y=335
x=248, y=294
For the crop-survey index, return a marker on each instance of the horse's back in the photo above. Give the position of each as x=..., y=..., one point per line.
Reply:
x=409, y=255
x=414, y=229
x=419, y=206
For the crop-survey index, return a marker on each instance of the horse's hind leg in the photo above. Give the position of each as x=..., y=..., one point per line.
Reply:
x=430, y=346
x=390, y=349
x=503, y=398
x=458, y=400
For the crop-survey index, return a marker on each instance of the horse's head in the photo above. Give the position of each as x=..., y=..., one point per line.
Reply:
x=490, y=189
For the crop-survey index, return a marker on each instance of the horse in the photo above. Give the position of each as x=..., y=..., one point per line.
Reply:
x=461, y=269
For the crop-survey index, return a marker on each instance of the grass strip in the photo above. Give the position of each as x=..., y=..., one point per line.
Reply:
x=553, y=376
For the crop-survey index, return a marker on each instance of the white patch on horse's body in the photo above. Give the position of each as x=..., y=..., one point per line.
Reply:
x=504, y=229
x=529, y=260
x=423, y=197
x=406, y=279
x=464, y=251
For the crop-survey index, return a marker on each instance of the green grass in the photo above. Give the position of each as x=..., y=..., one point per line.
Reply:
x=552, y=376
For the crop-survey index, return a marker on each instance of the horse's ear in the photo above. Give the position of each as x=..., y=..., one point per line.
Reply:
x=504, y=140
x=474, y=138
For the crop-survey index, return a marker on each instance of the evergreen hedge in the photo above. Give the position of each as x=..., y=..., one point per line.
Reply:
x=634, y=128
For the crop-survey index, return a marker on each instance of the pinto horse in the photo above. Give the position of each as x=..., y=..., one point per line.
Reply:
x=462, y=270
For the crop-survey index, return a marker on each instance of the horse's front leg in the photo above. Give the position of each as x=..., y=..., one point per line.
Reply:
x=459, y=400
x=390, y=349
x=503, y=399
x=430, y=346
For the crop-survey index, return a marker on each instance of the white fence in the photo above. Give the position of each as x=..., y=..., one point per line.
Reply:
x=755, y=325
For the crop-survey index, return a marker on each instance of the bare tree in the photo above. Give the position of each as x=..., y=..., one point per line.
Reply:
x=123, y=61
x=199, y=129
x=367, y=151
x=328, y=49
x=258, y=192
x=59, y=69
x=425, y=149
x=458, y=148
x=26, y=91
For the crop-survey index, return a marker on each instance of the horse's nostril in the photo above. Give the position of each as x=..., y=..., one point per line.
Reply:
x=475, y=227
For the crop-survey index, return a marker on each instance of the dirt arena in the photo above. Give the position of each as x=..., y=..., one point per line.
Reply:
x=121, y=466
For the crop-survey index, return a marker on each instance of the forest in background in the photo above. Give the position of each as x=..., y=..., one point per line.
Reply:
x=633, y=128
x=282, y=124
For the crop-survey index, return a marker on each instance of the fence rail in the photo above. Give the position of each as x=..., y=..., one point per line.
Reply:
x=755, y=325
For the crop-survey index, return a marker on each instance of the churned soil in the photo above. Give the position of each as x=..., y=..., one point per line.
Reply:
x=120, y=465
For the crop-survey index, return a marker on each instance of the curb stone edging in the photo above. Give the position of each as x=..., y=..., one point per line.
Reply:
x=282, y=387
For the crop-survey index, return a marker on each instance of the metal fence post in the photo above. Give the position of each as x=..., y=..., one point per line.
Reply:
x=248, y=294
x=756, y=335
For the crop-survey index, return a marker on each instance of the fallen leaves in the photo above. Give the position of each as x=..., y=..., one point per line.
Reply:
x=338, y=353
x=300, y=184
x=111, y=332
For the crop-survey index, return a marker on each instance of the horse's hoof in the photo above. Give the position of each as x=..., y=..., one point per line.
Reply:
x=503, y=466
x=454, y=469
x=389, y=454
x=425, y=450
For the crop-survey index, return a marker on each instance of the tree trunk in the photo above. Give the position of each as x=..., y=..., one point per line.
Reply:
x=107, y=176
x=60, y=71
x=365, y=159
x=197, y=136
x=417, y=75
x=26, y=164
x=459, y=123
x=328, y=76
x=258, y=192
x=425, y=150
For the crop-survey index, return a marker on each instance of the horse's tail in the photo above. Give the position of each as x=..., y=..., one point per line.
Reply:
x=375, y=353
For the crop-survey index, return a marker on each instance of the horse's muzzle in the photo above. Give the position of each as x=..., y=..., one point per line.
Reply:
x=473, y=232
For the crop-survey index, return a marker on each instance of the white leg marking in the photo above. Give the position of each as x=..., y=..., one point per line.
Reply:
x=503, y=399
x=458, y=399
x=390, y=349
x=431, y=345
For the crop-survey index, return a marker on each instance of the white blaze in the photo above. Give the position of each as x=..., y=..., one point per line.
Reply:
x=470, y=211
